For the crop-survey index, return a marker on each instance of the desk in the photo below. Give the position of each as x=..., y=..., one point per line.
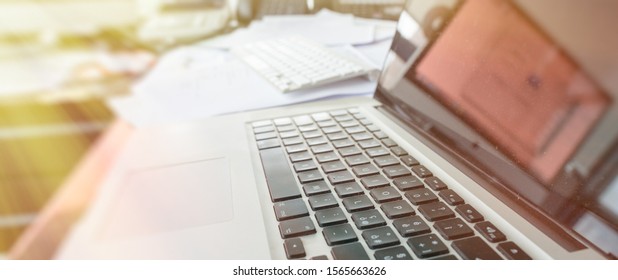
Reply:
x=44, y=236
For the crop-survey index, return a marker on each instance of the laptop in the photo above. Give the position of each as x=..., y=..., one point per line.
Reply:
x=491, y=135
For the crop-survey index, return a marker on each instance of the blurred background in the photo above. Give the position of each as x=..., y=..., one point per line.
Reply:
x=61, y=59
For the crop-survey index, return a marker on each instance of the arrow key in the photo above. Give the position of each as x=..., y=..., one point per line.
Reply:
x=294, y=248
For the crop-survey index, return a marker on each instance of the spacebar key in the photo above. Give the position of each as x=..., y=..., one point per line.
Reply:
x=279, y=177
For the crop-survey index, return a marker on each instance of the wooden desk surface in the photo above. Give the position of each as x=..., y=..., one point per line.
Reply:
x=45, y=234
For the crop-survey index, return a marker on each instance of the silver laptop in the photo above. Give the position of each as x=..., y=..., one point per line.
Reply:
x=491, y=135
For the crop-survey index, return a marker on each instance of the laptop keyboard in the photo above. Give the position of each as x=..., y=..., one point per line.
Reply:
x=338, y=175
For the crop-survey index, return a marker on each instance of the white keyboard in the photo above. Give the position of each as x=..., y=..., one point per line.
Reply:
x=297, y=63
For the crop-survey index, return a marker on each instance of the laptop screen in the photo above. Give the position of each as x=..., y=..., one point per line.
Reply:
x=525, y=92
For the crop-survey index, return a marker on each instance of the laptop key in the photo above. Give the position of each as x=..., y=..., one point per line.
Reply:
x=340, y=177
x=395, y=253
x=366, y=122
x=512, y=252
x=374, y=181
x=310, y=176
x=373, y=128
x=396, y=171
x=380, y=238
x=421, y=171
x=292, y=141
x=316, y=141
x=296, y=227
x=436, y=211
x=348, y=123
x=409, y=160
x=380, y=134
x=286, y=128
x=296, y=148
x=474, y=248
x=261, y=123
x=282, y=121
x=490, y=232
x=330, y=216
x=451, y=197
x=411, y=226
x=357, y=203
x=303, y=120
x=376, y=152
x=307, y=128
x=365, y=170
x=427, y=246
x=356, y=160
x=263, y=129
x=388, y=142
x=318, y=149
x=316, y=188
x=336, y=136
x=421, y=196
x=397, y=209
x=343, y=143
x=361, y=136
x=385, y=194
x=319, y=258
x=369, y=143
x=368, y=219
x=343, y=118
x=349, y=151
x=279, y=177
x=336, y=113
x=290, y=209
x=355, y=129
x=322, y=201
x=352, y=251
x=296, y=157
x=453, y=229
x=469, y=213
x=318, y=117
x=265, y=135
x=294, y=248
x=289, y=134
x=327, y=123
x=331, y=129
x=398, y=151
x=312, y=134
x=339, y=234
x=407, y=183
x=326, y=157
x=268, y=143
x=348, y=189
x=435, y=183
x=305, y=165
x=383, y=161
x=333, y=166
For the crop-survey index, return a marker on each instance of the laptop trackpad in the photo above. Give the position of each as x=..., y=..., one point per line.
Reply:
x=171, y=198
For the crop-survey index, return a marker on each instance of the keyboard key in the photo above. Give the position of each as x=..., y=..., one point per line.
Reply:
x=361, y=136
x=490, y=232
x=331, y=216
x=366, y=122
x=376, y=152
x=265, y=135
x=322, y=201
x=307, y=128
x=357, y=203
x=397, y=209
x=336, y=136
x=385, y=160
x=385, y=194
x=343, y=143
x=268, y=143
x=349, y=151
x=395, y=253
x=368, y=219
x=388, y=142
x=319, y=117
x=294, y=248
x=352, y=251
x=512, y=252
x=261, y=123
x=288, y=134
x=263, y=129
x=344, y=118
x=354, y=111
x=326, y=157
x=435, y=183
x=327, y=123
x=469, y=213
x=303, y=120
x=427, y=246
x=453, y=229
x=310, y=176
x=331, y=129
x=369, y=143
x=292, y=141
x=407, y=183
x=374, y=181
x=296, y=227
x=451, y=197
x=409, y=160
x=333, y=166
x=282, y=121
x=421, y=196
x=356, y=160
x=316, y=141
x=312, y=134
x=296, y=148
x=340, y=177
x=372, y=128
x=436, y=211
x=421, y=171
x=380, y=237
x=319, y=258
x=396, y=171
x=279, y=177
x=286, y=128
x=339, y=234
x=336, y=113
x=318, y=149
x=474, y=248
x=296, y=157
x=411, y=226
x=349, y=123
x=398, y=151
x=355, y=129
x=290, y=209
x=365, y=170
x=315, y=188
x=380, y=135
x=305, y=165
x=348, y=189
